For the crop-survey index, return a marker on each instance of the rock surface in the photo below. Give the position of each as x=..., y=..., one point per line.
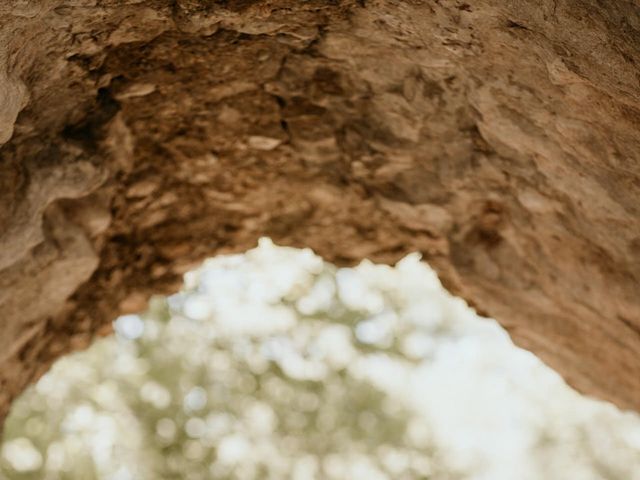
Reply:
x=500, y=138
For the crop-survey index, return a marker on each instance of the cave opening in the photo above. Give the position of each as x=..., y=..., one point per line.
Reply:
x=276, y=364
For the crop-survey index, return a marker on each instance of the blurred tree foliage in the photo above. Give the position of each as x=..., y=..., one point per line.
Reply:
x=274, y=365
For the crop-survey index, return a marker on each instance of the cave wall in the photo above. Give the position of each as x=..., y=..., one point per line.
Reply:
x=500, y=138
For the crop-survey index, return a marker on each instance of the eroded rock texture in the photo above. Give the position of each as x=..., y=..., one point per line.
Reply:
x=501, y=138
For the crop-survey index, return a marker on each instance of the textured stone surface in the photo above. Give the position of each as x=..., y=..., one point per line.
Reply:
x=499, y=138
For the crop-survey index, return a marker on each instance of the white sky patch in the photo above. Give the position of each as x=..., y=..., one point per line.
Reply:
x=129, y=326
x=22, y=455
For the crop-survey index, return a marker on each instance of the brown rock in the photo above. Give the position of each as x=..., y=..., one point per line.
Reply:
x=500, y=139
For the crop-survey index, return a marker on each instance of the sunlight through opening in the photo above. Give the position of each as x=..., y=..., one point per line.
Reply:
x=274, y=364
